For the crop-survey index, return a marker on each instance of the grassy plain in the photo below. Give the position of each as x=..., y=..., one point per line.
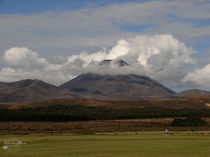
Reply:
x=118, y=144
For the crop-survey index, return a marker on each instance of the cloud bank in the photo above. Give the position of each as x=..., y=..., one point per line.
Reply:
x=161, y=57
x=65, y=32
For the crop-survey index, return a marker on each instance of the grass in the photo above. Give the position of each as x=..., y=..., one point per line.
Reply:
x=128, y=144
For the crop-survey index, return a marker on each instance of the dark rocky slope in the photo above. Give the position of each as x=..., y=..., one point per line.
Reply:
x=116, y=86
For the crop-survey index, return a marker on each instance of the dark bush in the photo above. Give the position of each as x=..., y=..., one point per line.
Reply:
x=189, y=121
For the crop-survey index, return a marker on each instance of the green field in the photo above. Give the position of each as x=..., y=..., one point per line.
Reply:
x=130, y=144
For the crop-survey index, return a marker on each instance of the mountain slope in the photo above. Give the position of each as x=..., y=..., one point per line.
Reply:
x=29, y=90
x=118, y=86
x=193, y=92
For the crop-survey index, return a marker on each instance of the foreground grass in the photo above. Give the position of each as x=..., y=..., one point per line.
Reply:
x=141, y=144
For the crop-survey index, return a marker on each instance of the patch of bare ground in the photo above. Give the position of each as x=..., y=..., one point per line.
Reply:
x=94, y=126
x=208, y=104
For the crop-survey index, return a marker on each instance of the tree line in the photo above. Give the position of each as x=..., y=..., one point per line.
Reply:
x=83, y=113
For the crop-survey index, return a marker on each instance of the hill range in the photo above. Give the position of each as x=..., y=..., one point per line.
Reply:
x=86, y=86
x=93, y=86
x=93, y=96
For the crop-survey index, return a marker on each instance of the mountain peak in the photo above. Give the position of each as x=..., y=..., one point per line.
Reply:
x=119, y=63
x=106, y=62
x=116, y=86
x=26, y=83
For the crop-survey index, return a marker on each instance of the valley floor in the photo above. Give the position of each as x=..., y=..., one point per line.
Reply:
x=117, y=144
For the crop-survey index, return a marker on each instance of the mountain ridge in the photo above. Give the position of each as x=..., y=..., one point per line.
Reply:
x=192, y=92
x=117, y=86
x=119, y=63
x=29, y=90
x=91, y=85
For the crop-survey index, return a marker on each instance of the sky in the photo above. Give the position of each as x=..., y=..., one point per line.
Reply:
x=57, y=40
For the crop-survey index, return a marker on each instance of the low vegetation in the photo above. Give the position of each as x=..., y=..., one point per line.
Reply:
x=189, y=121
x=118, y=144
x=83, y=113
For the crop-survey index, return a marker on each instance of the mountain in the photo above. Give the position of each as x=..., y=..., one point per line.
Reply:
x=193, y=92
x=2, y=84
x=29, y=90
x=119, y=63
x=116, y=86
x=86, y=85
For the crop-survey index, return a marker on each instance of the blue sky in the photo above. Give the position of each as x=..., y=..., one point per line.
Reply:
x=34, y=6
x=27, y=7
x=53, y=30
x=31, y=6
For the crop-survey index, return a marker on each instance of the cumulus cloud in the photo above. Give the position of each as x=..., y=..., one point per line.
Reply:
x=161, y=57
x=23, y=58
x=63, y=32
x=199, y=77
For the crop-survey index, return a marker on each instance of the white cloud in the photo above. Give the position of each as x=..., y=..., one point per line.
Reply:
x=161, y=57
x=69, y=38
x=199, y=77
x=22, y=57
x=121, y=49
x=88, y=29
x=193, y=9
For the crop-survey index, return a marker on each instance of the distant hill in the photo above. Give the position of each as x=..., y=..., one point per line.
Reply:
x=193, y=92
x=86, y=85
x=29, y=90
x=116, y=86
x=89, y=85
x=94, y=86
x=2, y=84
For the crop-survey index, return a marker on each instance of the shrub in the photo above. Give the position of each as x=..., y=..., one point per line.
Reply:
x=189, y=121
